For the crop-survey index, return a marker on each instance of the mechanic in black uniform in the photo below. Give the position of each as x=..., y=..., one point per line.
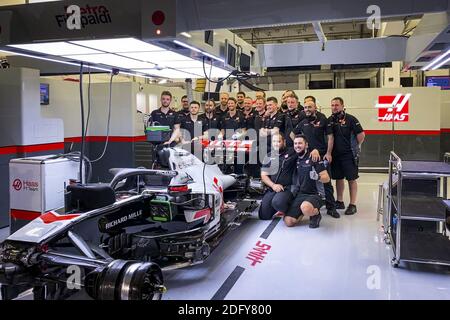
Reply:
x=274, y=121
x=348, y=138
x=233, y=122
x=294, y=115
x=185, y=107
x=295, y=110
x=222, y=107
x=240, y=96
x=164, y=116
x=307, y=186
x=317, y=130
x=276, y=173
x=258, y=121
x=192, y=126
x=260, y=111
x=211, y=122
x=249, y=113
x=234, y=128
x=284, y=96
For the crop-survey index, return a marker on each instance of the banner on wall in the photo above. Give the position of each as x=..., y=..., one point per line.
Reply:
x=393, y=108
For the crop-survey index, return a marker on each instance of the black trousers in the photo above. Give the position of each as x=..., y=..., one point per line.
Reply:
x=274, y=201
x=330, y=201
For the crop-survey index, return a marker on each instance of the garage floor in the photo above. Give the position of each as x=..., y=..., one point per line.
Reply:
x=345, y=258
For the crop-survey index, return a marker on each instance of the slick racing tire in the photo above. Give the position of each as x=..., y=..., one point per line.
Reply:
x=128, y=280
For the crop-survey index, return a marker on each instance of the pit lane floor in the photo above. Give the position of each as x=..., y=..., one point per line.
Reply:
x=345, y=258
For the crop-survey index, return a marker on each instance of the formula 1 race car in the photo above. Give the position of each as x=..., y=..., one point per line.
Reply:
x=114, y=240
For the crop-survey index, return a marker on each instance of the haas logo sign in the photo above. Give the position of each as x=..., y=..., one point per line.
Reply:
x=17, y=184
x=393, y=108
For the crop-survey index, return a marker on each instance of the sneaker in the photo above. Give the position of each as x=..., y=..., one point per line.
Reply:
x=351, y=209
x=340, y=205
x=333, y=213
x=314, y=221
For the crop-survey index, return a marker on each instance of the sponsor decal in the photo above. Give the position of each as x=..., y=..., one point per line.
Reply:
x=105, y=224
x=204, y=213
x=26, y=185
x=393, y=108
x=77, y=18
x=17, y=184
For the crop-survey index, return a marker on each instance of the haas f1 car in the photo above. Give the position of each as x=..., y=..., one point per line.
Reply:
x=114, y=240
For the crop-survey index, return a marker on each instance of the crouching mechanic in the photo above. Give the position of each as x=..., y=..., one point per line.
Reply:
x=276, y=173
x=307, y=186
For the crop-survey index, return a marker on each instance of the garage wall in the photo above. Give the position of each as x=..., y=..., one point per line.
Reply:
x=23, y=132
x=126, y=143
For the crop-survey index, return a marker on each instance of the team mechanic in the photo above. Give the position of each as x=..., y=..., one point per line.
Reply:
x=307, y=189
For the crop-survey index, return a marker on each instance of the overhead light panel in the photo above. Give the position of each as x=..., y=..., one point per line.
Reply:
x=214, y=73
x=433, y=65
x=191, y=63
x=167, y=73
x=119, y=45
x=55, y=48
x=112, y=60
x=185, y=34
x=187, y=46
x=160, y=58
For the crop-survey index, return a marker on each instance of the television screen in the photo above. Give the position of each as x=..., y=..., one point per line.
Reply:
x=357, y=83
x=231, y=56
x=211, y=95
x=45, y=97
x=244, y=62
x=438, y=81
x=321, y=84
x=407, y=81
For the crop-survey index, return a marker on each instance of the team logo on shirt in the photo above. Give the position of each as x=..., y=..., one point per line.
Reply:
x=393, y=108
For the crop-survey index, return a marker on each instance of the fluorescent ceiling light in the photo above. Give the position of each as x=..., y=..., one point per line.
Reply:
x=435, y=61
x=191, y=63
x=185, y=34
x=441, y=64
x=187, y=46
x=54, y=60
x=215, y=72
x=118, y=45
x=198, y=50
x=41, y=58
x=167, y=73
x=112, y=60
x=161, y=58
x=213, y=57
x=55, y=48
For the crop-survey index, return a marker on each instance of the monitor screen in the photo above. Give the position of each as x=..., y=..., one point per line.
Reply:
x=321, y=84
x=438, y=81
x=244, y=62
x=45, y=93
x=231, y=56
